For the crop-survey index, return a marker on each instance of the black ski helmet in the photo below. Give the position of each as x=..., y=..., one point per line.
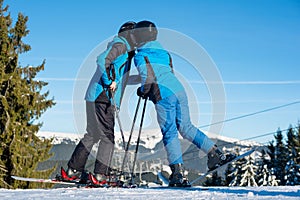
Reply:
x=127, y=26
x=145, y=31
x=126, y=32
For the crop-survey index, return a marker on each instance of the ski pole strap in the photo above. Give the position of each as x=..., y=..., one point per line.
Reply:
x=111, y=72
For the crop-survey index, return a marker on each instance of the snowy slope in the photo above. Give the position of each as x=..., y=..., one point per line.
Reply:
x=59, y=137
x=150, y=139
x=217, y=193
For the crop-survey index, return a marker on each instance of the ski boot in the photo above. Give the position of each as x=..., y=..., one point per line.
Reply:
x=73, y=175
x=98, y=180
x=177, y=179
x=217, y=158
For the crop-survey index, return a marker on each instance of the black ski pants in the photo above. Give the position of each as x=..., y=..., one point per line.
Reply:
x=100, y=127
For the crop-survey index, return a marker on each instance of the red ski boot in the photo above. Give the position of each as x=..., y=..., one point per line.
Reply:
x=98, y=180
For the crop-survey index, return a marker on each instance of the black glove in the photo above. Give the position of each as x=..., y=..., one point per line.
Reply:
x=140, y=93
x=131, y=54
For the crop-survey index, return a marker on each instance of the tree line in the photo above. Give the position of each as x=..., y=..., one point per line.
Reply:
x=278, y=164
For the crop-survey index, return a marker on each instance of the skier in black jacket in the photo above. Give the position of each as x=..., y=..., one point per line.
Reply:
x=112, y=71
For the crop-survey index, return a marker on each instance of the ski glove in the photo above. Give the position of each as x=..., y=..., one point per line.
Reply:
x=140, y=93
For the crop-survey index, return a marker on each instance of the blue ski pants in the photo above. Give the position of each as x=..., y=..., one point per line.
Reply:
x=173, y=116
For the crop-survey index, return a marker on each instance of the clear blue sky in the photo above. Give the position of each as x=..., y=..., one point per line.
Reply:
x=254, y=43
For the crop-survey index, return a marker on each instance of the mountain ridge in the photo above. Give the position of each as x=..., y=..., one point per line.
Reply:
x=146, y=136
x=151, y=156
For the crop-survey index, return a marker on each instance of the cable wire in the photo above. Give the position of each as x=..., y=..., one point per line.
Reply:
x=251, y=114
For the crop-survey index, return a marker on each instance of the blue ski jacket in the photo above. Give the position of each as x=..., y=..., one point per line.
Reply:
x=112, y=65
x=155, y=68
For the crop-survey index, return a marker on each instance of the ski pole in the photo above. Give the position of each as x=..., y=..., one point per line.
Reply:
x=118, y=118
x=130, y=135
x=122, y=133
x=138, y=140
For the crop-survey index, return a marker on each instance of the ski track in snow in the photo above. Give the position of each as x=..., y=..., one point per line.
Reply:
x=217, y=193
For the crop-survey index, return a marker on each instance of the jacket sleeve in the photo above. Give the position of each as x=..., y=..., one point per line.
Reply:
x=146, y=72
x=105, y=63
x=116, y=50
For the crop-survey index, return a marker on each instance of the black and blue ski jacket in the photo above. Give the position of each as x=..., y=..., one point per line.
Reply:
x=112, y=65
x=154, y=64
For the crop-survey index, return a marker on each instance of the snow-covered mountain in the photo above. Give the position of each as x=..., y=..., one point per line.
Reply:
x=59, y=137
x=151, y=155
x=149, y=138
x=150, y=147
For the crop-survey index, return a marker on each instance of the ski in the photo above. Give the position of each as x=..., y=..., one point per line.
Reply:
x=88, y=185
x=40, y=180
x=89, y=181
x=222, y=166
x=62, y=182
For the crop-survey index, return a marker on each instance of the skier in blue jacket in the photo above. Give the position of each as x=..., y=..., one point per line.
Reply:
x=109, y=79
x=161, y=86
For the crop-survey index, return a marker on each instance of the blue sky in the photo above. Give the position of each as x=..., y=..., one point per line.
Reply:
x=254, y=44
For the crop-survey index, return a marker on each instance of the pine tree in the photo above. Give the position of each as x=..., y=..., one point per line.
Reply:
x=236, y=170
x=262, y=171
x=249, y=172
x=229, y=171
x=272, y=164
x=21, y=104
x=265, y=176
x=229, y=174
x=292, y=168
x=297, y=142
x=281, y=158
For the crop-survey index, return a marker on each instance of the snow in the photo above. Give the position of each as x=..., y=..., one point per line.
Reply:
x=150, y=139
x=217, y=193
x=59, y=137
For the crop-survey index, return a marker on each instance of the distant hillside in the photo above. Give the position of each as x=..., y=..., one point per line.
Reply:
x=151, y=155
